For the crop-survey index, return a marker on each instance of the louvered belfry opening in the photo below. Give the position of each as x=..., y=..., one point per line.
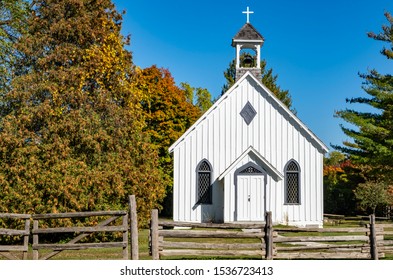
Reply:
x=204, y=183
x=292, y=173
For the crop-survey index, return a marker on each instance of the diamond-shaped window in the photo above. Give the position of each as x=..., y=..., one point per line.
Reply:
x=248, y=113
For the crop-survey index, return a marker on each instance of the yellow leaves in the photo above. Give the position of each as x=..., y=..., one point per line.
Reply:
x=73, y=145
x=106, y=62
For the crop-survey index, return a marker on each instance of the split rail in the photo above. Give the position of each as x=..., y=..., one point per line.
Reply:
x=8, y=251
x=179, y=240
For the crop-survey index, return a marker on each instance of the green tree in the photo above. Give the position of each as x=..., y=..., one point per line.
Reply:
x=268, y=79
x=200, y=97
x=372, y=134
x=13, y=15
x=372, y=194
x=204, y=99
x=73, y=139
x=188, y=91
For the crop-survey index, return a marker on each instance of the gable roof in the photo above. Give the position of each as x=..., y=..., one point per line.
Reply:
x=314, y=139
x=265, y=164
x=247, y=33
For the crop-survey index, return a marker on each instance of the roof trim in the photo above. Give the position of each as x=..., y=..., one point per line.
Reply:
x=270, y=169
x=212, y=108
x=291, y=114
x=249, y=75
x=248, y=32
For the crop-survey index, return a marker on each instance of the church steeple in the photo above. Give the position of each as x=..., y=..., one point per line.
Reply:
x=249, y=39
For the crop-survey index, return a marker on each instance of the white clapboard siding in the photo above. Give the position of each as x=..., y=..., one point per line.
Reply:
x=274, y=137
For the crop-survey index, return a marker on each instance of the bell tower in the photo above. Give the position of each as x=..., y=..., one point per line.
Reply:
x=248, y=42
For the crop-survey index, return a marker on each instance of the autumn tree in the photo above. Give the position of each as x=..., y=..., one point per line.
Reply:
x=372, y=129
x=165, y=106
x=13, y=14
x=169, y=112
x=340, y=179
x=268, y=79
x=73, y=140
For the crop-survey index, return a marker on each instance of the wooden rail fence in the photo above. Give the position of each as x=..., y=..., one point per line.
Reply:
x=173, y=248
x=366, y=241
x=327, y=243
x=206, y=239
x=385, y=238
x=370, y=241
x=41, y=228
x=8, y=251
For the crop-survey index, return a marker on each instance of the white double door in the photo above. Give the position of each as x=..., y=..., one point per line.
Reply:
x=250, y=197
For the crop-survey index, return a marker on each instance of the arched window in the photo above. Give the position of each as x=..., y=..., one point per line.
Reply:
x=204, y=186
x=292, y=183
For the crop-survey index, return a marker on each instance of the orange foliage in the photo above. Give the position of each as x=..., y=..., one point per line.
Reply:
x=167, y=112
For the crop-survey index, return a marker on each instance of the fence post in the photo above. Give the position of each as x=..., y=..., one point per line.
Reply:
x=125, y=236
x=269, y=236
x=35, y=239
x=133, y=228
x=373, y=239
x=26, y=239
x=154, y=234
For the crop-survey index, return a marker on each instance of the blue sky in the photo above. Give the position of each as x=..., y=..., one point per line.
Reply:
x=317, y=48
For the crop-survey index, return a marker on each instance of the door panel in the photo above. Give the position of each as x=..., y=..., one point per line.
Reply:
x=250, y=198
x=257, y=200
x=243, y=206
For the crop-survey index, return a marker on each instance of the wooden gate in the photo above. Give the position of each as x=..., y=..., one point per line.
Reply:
x=83, y=232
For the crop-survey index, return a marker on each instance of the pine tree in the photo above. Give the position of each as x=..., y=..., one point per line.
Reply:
x=73, y=139
x=268, y=79
x=373, y=133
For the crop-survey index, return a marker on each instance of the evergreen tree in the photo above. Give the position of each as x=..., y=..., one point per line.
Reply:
x=373, y=133
x=268, y=79
x=73, y=139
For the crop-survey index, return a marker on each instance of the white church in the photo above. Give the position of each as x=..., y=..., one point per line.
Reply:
x=248, y=154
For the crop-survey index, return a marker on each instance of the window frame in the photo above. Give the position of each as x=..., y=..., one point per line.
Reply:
x=298, y=172
x=199, y=194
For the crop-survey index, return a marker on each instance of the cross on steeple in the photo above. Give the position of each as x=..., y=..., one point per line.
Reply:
x=248, y=12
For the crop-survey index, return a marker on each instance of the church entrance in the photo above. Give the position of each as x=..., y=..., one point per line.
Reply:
x=250, y=194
